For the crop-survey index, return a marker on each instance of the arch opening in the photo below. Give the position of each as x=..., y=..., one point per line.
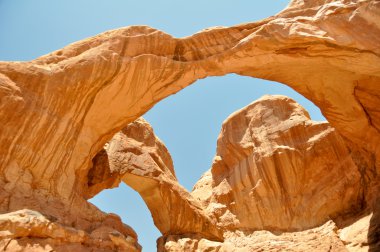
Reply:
x=128, y=204
x=189, y=123
x=316, y=62
x=202, y=107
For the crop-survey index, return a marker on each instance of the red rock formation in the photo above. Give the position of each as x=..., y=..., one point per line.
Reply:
x=144, y=164
x=322, y=238
x=27, y=230
x=59, y=110
x=275, y=169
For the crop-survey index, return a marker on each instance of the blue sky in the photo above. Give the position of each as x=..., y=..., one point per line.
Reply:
x=188, y=122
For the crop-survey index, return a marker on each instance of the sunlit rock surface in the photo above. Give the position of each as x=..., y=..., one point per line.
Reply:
x=277, y=169
x=322, y=238
x=144, y=164
x=28, y=230
x=58, y=111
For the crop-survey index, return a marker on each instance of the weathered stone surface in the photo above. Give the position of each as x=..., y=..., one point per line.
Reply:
x=276, y=169
x=58, y=111
x=144, y=164
x=28, y=230
x=295, y=179
x=323, y=238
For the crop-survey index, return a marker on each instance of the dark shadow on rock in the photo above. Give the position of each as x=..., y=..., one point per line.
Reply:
x=374, y=228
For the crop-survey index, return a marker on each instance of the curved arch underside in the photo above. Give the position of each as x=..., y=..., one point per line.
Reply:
x=59, y=110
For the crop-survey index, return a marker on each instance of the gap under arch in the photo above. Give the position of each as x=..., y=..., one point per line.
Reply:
x=189, y=123
x=128, y=204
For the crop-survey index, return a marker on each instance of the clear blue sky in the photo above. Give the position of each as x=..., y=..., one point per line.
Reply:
x=188, y=122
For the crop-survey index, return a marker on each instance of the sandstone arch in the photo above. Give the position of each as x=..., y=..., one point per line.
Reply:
x=59, y=110
x=137, y=157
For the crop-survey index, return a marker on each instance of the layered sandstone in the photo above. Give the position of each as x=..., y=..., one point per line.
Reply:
x=276, y=169
x=59, y=110
x=323, y=238
x=29, y=230
x=144, y=163
x=276, y=184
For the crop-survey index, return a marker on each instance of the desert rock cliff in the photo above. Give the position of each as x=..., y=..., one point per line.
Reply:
x=58, y=111
x=281, y=182
x=275, y=169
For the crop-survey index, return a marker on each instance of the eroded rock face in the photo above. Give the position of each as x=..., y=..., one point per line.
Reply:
x=276, y=169
x=144, y=164
x=58, y=111
x=322, y=238
x=28, y=230
x=294, y=179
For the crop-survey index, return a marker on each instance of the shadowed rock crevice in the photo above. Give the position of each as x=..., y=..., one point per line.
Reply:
x=374, y=228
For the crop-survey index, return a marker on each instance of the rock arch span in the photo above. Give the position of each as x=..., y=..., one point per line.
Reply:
x=59, y=110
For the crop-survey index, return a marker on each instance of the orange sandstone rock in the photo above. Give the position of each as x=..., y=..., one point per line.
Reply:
x=144, y=164
x=58, y=111
x=276, y=169
x=282, y=182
